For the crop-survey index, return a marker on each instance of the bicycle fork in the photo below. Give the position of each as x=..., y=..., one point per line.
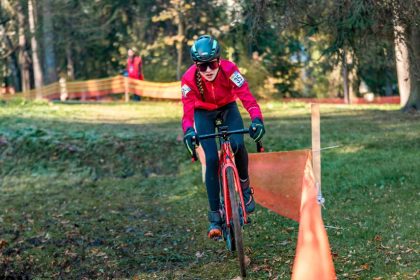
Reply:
x=228, y=208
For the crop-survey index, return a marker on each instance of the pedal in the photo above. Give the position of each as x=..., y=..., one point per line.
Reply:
x=217, y=238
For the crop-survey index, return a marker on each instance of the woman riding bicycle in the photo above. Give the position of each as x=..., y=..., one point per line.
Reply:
x=210, y=88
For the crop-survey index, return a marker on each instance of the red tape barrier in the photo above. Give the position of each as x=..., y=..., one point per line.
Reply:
x=93, y=89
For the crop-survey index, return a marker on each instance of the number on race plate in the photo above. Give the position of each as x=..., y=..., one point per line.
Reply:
x=237, y=79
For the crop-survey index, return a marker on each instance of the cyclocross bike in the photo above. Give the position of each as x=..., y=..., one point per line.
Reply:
x=232, y=210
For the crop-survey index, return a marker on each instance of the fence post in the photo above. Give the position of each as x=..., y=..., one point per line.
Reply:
x=316, y=149
x=38, y=93
x=63, y=89
x=126, y=94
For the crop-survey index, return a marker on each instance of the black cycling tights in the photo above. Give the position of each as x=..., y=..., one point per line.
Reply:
x=205, y=124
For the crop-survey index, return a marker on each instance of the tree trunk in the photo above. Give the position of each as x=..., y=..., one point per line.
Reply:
x=180, y=39
x=48, y=36
x=70, y=63
x=352, y=77
x=414, y=55
x=23, y=56
x=345, y=76
x=34, y=44
x=14, y=68
x=8, y=61
x=402, y=61
x=334, y=81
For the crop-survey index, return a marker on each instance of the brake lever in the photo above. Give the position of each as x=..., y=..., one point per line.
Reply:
x=194, y=157
x=260, y=148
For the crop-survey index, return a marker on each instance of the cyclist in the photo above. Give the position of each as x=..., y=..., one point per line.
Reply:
x=209, y=89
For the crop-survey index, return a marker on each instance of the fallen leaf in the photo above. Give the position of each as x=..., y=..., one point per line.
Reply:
x=247, y=261
x=149, y=233
x=334, y=255
x=199, y=254
x=362, y=267
x=70, y=254
x=94, y=251
x=101, y=254
x=264, y=267
x=365, y=266
x=3, y=243
x=3, y=141
x=97, y=252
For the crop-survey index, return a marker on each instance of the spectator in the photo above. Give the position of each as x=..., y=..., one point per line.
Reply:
x=134, y=65
x=134, y=68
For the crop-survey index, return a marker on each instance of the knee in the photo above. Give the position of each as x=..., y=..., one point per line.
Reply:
x=238, y=146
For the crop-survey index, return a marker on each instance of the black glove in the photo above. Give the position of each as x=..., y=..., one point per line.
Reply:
x=191, y=140
x=256, y=130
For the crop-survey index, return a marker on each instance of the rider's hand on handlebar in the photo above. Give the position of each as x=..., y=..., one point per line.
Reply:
x=191, y=140
x=256, y=130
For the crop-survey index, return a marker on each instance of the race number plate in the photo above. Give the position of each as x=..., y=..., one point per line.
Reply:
x=237, y=79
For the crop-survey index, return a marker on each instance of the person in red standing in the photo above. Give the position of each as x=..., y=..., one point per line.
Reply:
x=209, y=89
x=134, y=65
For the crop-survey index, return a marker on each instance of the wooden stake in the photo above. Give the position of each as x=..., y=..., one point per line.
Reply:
x=316, y=144
x=126, y=94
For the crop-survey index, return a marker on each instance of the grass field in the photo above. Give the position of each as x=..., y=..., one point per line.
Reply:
x=101, y=191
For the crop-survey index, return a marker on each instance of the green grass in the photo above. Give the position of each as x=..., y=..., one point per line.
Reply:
x=107, y=191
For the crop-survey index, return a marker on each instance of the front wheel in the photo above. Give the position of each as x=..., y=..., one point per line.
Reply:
x=236, y=219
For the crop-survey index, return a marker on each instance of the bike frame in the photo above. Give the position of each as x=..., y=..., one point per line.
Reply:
x=233, y=219
x=226, y=160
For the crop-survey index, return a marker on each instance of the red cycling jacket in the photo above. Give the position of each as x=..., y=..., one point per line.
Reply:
x=134, y=66
x=228, y=85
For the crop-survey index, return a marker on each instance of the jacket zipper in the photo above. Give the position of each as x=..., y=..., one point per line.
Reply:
x=212, y=91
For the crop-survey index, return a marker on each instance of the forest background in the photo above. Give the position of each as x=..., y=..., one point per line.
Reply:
x=285, y=48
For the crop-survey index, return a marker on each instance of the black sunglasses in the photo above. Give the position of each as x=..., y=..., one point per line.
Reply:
x=212, y=64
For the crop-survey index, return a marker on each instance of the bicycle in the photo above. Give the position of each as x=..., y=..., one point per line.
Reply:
x=232, y=202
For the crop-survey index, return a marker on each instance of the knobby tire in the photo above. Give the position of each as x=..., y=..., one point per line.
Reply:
x=237, y=229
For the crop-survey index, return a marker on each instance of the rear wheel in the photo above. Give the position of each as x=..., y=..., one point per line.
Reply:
x=236, y=219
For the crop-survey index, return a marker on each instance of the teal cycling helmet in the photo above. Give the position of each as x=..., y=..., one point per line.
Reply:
x=205, y=49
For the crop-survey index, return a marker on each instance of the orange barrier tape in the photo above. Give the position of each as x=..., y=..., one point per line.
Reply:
x=357, y=100
x=313, y=258
x=155, y=90
x=119, y=84
x=101, y=87
x=275, y=178
x=284, y=183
